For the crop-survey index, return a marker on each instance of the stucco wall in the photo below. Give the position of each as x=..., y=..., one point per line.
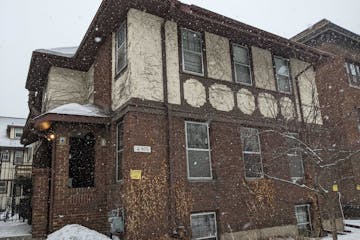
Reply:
x=218, y=57
x=308, y=91
x=65, y=86
x=263, y=68
x=89, y=85
x=194, y=93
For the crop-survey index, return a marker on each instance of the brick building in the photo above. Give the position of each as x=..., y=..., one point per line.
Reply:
x=339, y=95
x=174, y=122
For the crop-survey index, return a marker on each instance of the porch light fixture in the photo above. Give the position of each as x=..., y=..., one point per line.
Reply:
x=51, y=137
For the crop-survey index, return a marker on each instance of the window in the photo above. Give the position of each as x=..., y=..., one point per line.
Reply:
x=353, y=71
x=119, y=150
x=4, y=156
x=294, y=157
x=3, y=187
x=19, y=157
x=282, y=74
x=302, y=213
x=251, y=152
x=192, y=56
x=82, y=161
x=203, y=226
x=18, y=132
x=120, y=47
x=198, y=150
x=242, y=65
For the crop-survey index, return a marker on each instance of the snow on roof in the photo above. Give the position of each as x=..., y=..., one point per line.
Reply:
x=62, y=51
x=88, y=110
x=5, y=141
x=76, y=232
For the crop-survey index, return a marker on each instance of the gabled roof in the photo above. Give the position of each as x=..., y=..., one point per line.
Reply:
x=322, y=27
x=111, y=12
x=5, y=141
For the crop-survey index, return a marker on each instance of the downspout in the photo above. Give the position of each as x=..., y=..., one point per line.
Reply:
x=51, y=187
x=171, y=198
x=298, y=90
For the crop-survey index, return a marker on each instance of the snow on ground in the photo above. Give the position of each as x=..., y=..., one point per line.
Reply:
x=354, y=235
x=13, y=229
x=76, y=232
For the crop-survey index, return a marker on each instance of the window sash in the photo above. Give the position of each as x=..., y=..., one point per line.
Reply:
x=206, y=165
x=294, y=157
x=211, y=226
x=300, y=216
x=119, y=150
x=245, y=65
x=5, y=156
x=353, y=71
x=191, y=67
x=121, y=50
x=283, y=79
x=3, y=187
x=19, y=157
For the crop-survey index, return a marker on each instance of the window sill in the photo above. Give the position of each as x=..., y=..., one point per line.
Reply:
x=119, y=73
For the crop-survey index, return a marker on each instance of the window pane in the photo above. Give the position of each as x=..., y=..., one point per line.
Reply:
x=250, y=140
x=121, y=37
x=192, y=62
x=191, y=41
x=120, y=134
x=197, y=136
x=283, y=83
x=203, y=226
x=253, y=168
x=296, y=168
x=241, y=55
x=199, y=164
x=121, y=57
x=282, y=67
x=119, y=166
x=242, y=74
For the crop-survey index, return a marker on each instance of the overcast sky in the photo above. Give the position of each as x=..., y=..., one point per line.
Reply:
x=27, y=25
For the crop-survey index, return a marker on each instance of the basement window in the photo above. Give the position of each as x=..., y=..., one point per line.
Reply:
x=119, y=150
x=203, y=226
x=192, y=55
x=82, y=161
x=294, y=157
x=250, y=142
x=242, y=69
x=302, y=213
x=353, y=71
x=198, y=151
x=120, y=48
x=4, y=156
x=282, y=74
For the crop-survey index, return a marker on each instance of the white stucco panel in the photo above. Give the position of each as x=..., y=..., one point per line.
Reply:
x=218, y=57
x=268, y=105
x=221, y=97
x=65, y=86
x=246, y=101
x=194, y=93
x=263, y=68
x=172, y=62
x=287, y=108
x=89, y=85
x=145, y=55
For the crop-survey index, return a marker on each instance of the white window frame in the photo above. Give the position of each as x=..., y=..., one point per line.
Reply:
x=193, y=52
x=5, y=153
x=252, y=153
x=308, y=212
x=117, y=48
x=197, y=149
x=295, y=136
x=16, y=131
x=242, y=64
x=118, y=179
x=350, y=75
x=288, y=76
x=201, y=214
x=3, y=187
x=15, y=157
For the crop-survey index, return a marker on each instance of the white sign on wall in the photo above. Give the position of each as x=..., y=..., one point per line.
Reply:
x=142, y=149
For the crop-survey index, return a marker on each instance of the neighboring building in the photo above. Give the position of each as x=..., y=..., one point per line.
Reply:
x=163, y=117
x=339, y=90
x=15, y=164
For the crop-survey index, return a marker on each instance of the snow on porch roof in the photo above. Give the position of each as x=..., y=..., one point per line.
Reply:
x=88, y=110
x=61, y=51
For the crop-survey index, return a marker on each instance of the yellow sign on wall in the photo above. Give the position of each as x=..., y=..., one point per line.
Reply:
x=358, y=187
x=335, y=188
x=135, y=174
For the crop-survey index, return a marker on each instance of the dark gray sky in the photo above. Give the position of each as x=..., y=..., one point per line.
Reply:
x=31, y=24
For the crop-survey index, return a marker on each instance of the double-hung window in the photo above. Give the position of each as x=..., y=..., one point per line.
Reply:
x=19, y=157
x=203, y=226
x=119, y=150
x=242, y=69
x=3, y=186
x=282, y=74
x=353, y=71
x=192, y=54
x=198, y=151
x=4, y=156
x=120, y=48
x=302, y=213
x=18, y=133
x=251, y=152
x=294, y=156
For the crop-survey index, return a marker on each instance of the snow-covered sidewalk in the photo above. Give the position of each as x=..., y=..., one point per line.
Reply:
x=14, y=229
x=355, y=232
